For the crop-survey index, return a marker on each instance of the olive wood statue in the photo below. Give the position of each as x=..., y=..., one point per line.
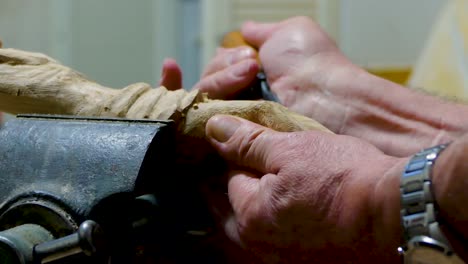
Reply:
x=35, y=83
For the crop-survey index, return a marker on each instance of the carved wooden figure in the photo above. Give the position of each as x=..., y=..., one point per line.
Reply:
x=36, y=83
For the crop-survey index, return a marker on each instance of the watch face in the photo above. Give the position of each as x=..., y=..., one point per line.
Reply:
x=427, y=255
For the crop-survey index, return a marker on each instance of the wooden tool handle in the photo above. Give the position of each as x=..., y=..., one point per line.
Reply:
x=1, y=43
x=235, y=39
x=259, y=89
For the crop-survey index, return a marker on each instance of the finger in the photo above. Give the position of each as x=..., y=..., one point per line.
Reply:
x=250, y=198
x=226, y=83
x=171, y=77
x=243, y=191
x=257, y=33
x=245, y=144
x=227, y=57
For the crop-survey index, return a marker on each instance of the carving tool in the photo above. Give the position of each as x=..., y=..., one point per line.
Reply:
x=259, y=89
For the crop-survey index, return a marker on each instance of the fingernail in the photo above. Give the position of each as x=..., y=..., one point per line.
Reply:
x=222, y=128
x=240, y=55
x=246, y=53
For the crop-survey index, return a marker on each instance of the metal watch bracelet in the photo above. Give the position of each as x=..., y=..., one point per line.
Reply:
x=417, y=211
x=418, y=207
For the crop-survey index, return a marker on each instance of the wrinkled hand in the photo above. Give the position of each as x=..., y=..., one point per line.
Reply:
x=299, y=59
x=311, y=76
x=305, y=197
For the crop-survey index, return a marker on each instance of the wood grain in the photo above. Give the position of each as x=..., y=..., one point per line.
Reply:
x=35, y=83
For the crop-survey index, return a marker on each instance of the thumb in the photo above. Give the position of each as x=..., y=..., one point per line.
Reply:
x=257, y=33
x=244, y=143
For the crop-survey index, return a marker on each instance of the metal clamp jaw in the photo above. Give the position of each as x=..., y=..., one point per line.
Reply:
x=59, y=171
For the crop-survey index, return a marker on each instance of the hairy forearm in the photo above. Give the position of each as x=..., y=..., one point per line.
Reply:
x=398, y=120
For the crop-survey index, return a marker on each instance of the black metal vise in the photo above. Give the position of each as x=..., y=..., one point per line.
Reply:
x=86, y=189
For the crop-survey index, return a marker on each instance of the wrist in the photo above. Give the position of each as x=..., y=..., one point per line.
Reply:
x=425, y=238
x=387, y=223
x=416, y=120
x=385, y=207
x=449, y=187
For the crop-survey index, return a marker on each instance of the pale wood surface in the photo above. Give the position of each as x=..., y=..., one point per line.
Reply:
x=36, y=83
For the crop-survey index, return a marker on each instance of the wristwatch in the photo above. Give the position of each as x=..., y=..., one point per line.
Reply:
x=423, y=241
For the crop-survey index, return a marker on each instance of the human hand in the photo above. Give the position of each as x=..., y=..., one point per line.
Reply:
x=298, y=58
x=171, y=76
x=312, y=77
x=308, y=197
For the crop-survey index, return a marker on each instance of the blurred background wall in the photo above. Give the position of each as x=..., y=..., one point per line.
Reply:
x=118, y=42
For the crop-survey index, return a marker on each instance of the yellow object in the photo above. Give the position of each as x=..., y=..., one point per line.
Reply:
x=442, y=68
x=397, y=75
